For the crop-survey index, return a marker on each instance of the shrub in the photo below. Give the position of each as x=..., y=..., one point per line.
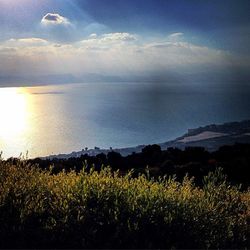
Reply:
x=104, y=209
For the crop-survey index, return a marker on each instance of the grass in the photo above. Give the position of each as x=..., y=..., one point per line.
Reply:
x=107, y=210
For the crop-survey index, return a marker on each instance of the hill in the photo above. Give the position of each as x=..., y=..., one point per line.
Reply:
x=211, y=137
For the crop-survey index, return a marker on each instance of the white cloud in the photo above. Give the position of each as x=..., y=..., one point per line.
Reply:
x=125, y=37
x=54, y=19
x=177, y=34
x=93, y=36
x=32, y=41
x=107, y=41
x=112, y=53
x=174, y=54
x=7, y=51
x=110, y=38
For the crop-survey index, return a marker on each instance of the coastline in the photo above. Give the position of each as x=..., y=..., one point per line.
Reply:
x=211, y=137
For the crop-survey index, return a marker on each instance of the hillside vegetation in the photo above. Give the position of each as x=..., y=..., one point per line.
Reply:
x=104, y=209
x=196, y=161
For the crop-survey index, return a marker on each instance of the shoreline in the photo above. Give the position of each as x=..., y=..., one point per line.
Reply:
x=211, y=137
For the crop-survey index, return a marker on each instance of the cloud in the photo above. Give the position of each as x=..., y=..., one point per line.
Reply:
x=114, y=54
x=174, y=35
x=93, y=36
x=54, y=19
x=125, y=37
x=107, y=41
x=177, y=36
x=7, y=50
x=110, y=38
x=31, y=41
x=186, y=54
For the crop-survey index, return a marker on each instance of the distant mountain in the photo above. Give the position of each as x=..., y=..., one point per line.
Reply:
x=30, y=80
x=33, y=80
x=210, y=137
x=16, y=81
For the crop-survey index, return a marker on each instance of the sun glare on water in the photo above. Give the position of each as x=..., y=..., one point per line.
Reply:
x=13, y=114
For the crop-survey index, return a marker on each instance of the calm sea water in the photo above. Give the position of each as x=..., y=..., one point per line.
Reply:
x=64, y=118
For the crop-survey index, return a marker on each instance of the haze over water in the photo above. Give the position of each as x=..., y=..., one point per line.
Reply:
x=64, y=118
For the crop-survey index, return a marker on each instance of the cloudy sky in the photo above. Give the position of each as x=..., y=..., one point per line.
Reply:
x=174, y=39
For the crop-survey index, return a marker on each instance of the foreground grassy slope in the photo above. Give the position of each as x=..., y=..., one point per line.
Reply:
x=107, y=210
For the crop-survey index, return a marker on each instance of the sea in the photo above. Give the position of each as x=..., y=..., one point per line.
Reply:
x=52, y=119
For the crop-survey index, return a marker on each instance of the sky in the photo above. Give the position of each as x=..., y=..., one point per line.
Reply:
x=194, y=40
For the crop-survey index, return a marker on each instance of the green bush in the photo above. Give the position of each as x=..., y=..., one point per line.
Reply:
x=107, y=210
